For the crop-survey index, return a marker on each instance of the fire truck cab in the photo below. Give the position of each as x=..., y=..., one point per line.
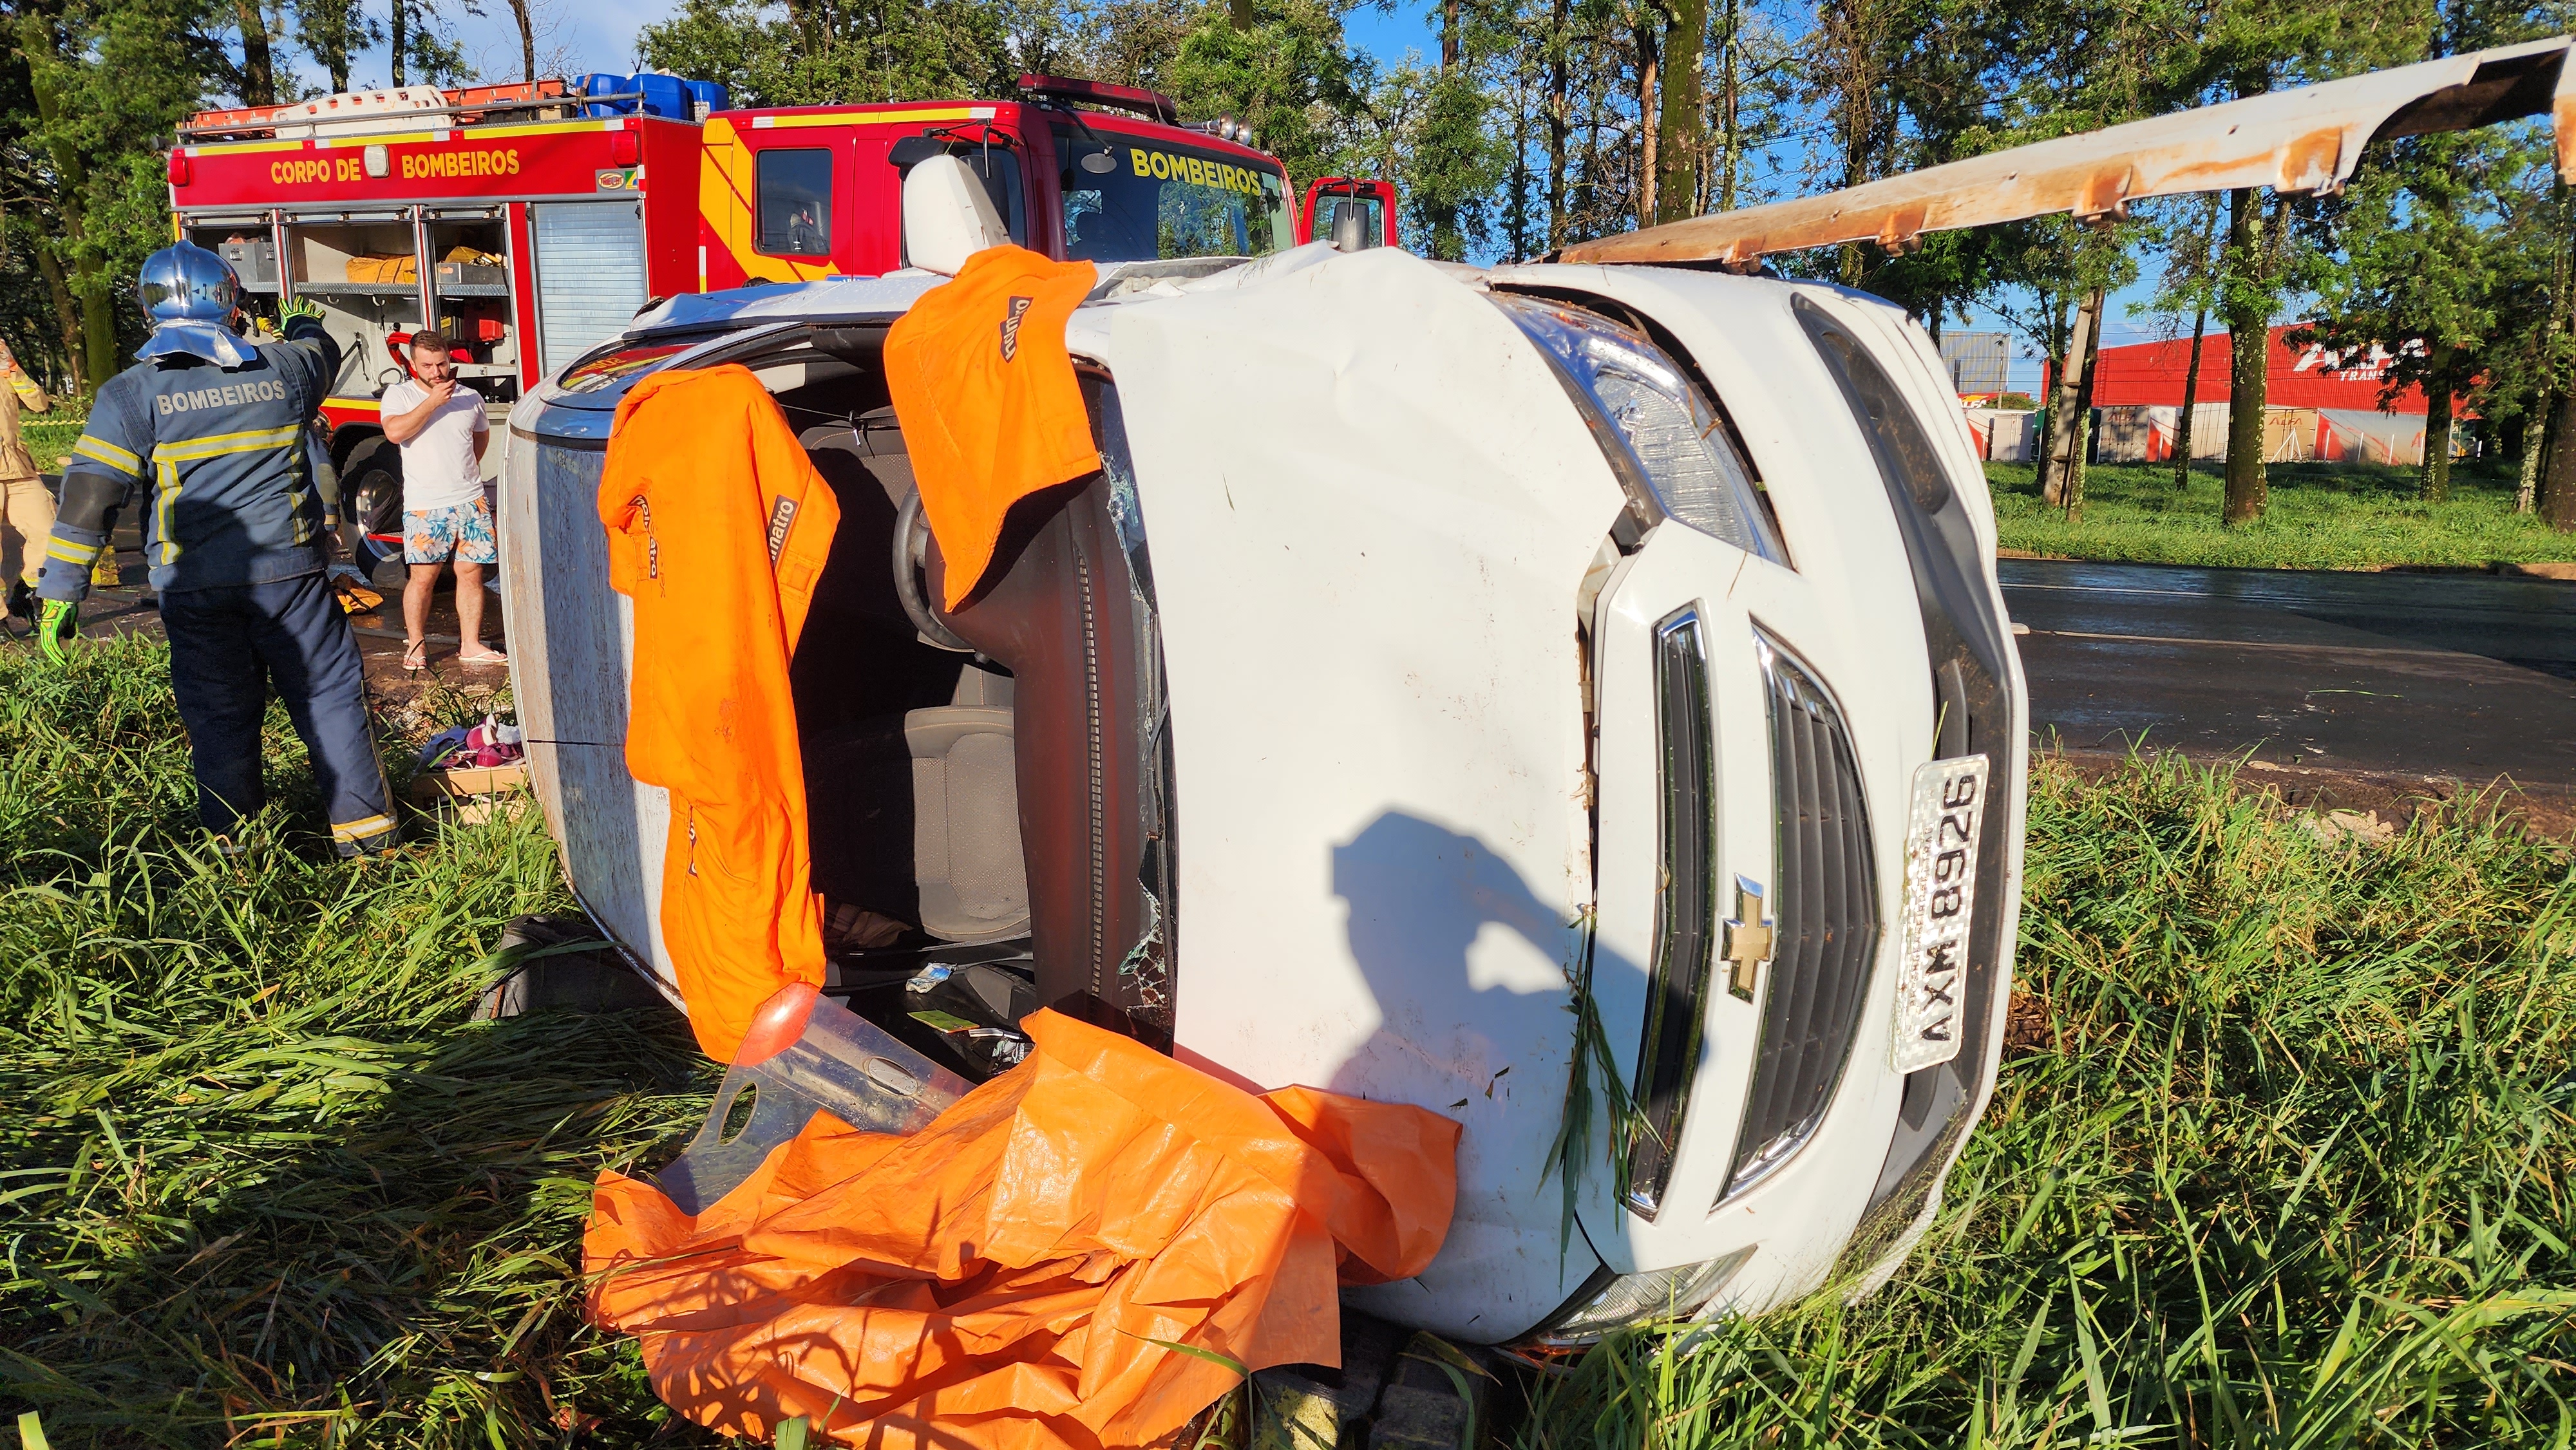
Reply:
x=530, y=222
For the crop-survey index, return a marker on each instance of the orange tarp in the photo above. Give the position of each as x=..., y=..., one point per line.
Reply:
x=985, y=393
x=997, y=1280
x=717, y=528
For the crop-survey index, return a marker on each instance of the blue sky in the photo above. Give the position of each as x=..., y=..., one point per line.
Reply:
x=582, y=35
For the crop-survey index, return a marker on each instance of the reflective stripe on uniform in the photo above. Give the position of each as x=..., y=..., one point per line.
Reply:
x=168, y=456
x=215, y=445
x=72, y=551
x=362, y=829
x=108, y=453
x=165, y=503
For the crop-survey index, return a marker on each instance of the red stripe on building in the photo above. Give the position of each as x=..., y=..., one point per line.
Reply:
x=2301, y=377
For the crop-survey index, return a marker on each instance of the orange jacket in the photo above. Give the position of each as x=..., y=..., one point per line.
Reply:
x=717, y=529
x=984, y=390
x=999, y=1279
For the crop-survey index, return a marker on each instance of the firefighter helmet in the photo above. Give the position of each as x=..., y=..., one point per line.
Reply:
x=184, y=282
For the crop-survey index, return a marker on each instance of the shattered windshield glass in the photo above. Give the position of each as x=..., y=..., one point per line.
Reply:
x=1140, y=199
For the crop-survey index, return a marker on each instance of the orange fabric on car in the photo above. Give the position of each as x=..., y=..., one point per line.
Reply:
x=985, y=393
x=998, y=1280
x=717, y=529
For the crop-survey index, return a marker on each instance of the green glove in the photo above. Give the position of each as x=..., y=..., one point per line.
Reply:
x=300, y=307
x=61, y=621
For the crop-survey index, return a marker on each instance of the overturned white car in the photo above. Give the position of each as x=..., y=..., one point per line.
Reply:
x=1446, y=668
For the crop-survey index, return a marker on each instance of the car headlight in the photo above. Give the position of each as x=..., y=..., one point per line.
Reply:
x=1663, y=437
x=1629, y=1299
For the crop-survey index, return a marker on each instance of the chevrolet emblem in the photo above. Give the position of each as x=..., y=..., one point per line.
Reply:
x=1748, y=939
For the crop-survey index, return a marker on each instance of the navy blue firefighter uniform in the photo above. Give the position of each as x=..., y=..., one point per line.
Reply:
x=233, y=536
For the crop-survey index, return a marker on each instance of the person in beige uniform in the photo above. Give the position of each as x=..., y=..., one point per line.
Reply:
x=26, y=510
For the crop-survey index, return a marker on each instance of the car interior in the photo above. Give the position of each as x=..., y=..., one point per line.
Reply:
x=987, y=789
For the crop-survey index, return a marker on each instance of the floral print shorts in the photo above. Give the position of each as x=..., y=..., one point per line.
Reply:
x=465, y=531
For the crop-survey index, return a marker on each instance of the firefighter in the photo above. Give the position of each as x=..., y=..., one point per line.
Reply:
x=210, y=428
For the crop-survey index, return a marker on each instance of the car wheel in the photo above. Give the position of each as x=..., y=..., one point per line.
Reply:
x=371, y=511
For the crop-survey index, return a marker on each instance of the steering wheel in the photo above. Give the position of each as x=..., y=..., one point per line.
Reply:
x=911, y=558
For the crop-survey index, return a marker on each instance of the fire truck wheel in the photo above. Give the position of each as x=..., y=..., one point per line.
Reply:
x=371, y=511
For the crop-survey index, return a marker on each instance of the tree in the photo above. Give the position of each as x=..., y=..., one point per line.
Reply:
x=820, y=52
x=331, y=31
x=96, y=89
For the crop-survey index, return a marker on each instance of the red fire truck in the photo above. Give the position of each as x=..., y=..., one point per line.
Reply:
x=531, y=221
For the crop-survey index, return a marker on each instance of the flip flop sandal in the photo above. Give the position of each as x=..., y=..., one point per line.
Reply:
x=416, y=656
x=487, y=657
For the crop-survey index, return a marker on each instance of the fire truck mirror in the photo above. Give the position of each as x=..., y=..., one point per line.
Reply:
x=1351, y=226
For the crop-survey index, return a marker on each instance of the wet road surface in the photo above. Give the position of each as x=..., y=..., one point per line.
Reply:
x=2438, y=676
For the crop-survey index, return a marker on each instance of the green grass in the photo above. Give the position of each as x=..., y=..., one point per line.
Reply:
x=260, y=1178
x=2319, y=517
x=2289, y=1165
x=51, y=435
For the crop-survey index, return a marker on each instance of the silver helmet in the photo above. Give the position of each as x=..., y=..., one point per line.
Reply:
x=184, y=282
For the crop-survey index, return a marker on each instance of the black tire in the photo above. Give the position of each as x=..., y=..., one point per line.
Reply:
x=370, y=506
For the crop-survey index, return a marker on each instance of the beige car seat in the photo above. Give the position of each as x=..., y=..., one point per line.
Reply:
x=966, y=814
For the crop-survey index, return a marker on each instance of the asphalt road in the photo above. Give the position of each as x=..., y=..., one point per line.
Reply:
x=2469, y=677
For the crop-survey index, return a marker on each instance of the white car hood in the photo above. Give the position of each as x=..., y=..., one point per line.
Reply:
x=1368, y=534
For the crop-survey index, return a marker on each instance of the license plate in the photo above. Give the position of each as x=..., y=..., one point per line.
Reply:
x=1941, y=834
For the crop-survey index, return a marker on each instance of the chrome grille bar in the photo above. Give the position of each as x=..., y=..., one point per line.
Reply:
x=1825, y=900
x=1685, y=903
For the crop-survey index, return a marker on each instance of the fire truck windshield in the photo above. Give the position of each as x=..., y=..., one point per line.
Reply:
x=1156, y=201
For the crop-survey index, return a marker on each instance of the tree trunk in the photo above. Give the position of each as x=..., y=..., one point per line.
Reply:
x=2535, y=441
x=1519, y=209
x=1559, y=106
x=2435, y=479
x=2558, y=478
x=527, y=39
x=2055, y=369
x=2249, y=339
x=89, y=282
x=1649, y=82
x=258, y=71
x=398, y=36
x=1452, y=45
x=1731, y=141
x=2068, y=406
x=1677, y=112
x=2190, y=398
x=2199, y=335
x=67, y=316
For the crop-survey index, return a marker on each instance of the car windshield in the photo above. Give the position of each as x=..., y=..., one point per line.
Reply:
x=1142, y=199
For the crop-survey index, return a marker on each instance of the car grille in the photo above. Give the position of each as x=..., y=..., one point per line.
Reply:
x=1685, y=905
x=1825, y=899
